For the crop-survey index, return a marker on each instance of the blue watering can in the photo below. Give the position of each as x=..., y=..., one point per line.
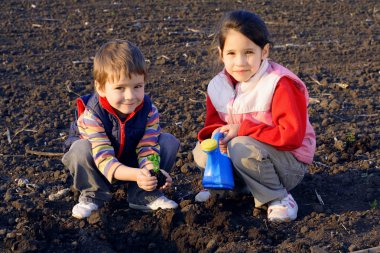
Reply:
x=218, y=172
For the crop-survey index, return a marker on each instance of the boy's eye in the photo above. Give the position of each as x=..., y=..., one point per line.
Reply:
x=119, y=88
x=138, y=86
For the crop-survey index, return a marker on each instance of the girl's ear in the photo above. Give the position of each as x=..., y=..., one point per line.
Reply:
x=99, y=90
x=265, y=52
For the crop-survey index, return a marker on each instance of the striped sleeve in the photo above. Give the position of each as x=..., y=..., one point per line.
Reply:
x=91, y=128
x=148, y=144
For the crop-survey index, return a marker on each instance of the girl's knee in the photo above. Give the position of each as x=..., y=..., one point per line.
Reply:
x=244, y=147
x=199, y=156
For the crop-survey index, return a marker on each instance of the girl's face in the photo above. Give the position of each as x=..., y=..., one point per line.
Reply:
x=241, y=56
x=124, y=95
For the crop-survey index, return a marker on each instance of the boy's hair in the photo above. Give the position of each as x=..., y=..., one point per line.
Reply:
x=115, y=58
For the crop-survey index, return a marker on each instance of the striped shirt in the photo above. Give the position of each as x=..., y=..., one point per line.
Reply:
x=91, y=128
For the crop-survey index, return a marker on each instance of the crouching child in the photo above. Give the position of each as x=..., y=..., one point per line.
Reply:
x=116, y=134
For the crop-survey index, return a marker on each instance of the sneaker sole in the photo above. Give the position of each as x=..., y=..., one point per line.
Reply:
x=79, y=217
x=140, y=208
x=282, y=220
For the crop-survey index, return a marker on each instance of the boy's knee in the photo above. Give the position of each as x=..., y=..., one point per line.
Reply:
x=80, y=150
x=168, y=142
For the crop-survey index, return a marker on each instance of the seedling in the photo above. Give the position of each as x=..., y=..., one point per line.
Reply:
x=373, y=204
x=161, y=179
x=155, y=159
x=350, y=137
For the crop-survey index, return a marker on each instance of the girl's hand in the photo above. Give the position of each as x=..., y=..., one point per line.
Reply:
x=230, y=131
x=222, y=146
x=145, y=181
x=169, y=180
x=217, y=130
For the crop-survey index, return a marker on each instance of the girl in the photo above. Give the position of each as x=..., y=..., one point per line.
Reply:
x=261, y=107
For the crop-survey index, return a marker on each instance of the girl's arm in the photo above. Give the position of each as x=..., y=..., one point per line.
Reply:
x=212, y=116
x=212, y=122
x=289, y=113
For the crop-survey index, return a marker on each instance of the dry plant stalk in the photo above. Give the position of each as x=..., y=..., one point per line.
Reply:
x=41, y=153
x=319, y=198
x=9, y=136
x=315, y=80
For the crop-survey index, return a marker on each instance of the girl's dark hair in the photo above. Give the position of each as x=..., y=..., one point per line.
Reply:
x=245, y=22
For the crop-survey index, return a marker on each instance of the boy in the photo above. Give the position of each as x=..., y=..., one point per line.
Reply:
x=116, y=132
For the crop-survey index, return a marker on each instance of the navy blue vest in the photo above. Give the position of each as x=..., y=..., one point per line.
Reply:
x=133, y=129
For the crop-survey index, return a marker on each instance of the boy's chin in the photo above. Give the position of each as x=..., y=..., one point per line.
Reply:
x=124, y=113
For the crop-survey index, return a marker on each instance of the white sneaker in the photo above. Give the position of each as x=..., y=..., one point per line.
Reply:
x=283, y=210
x=203, y=196
x=162, y=202
x=83, y=209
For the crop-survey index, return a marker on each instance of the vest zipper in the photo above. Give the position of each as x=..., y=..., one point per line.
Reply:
x=122, y=138
x=232, y=101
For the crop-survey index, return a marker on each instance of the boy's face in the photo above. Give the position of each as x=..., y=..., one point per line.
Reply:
x=124, y=95
x=241, y=56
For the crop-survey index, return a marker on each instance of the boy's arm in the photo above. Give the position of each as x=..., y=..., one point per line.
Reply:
x=91, y=128
x=148, y=144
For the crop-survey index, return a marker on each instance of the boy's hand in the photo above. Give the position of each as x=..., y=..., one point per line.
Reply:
x=145, y=181
x=169, y=180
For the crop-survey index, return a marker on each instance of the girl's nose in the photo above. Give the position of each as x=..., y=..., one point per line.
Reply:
x=241, y=59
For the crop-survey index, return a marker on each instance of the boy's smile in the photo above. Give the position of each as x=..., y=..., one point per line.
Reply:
x=124, y=95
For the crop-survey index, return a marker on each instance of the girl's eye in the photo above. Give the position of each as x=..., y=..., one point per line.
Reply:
x=230, y=53
x=249, y=52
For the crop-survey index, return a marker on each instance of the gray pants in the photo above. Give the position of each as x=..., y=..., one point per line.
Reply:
x=268, y=173
x=94, y=185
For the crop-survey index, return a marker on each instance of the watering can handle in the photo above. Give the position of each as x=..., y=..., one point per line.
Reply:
x=218, y=136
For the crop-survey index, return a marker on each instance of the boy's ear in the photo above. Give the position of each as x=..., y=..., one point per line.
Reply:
x=265, y=52
x=99, y=90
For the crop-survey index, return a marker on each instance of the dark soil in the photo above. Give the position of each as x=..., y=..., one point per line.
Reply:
x=161, y=179
x=46, y=60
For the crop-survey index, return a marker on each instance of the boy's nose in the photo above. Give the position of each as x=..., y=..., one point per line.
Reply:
x=128, y=94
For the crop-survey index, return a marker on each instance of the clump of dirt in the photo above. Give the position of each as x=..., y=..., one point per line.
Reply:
x=46, y=62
